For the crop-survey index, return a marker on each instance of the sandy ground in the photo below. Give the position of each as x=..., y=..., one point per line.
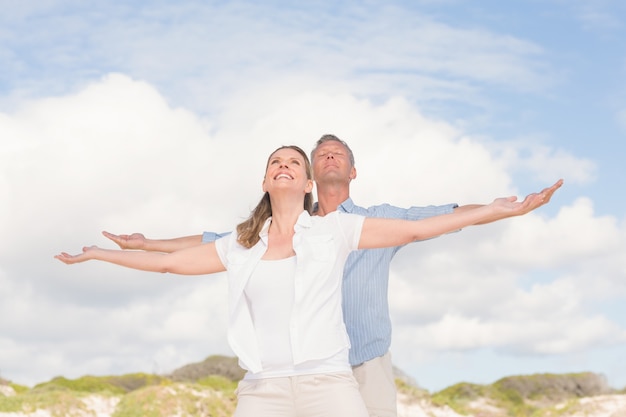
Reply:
x=600, y=406
x=603, y=406
x=410, y=408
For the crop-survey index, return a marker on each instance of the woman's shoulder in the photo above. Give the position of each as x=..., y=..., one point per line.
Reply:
x=335, y=218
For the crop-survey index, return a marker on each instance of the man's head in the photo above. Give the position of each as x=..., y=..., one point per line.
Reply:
x=332, y=138
x=332, y=160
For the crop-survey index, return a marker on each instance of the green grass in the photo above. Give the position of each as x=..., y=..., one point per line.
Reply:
x=523, y=396
x=19, y=388
x=146, y=395
x=88, y=384
x=218, y=383
x=459, y=396
x=215, y=397
x=59, y=402
x=103, y=384
x=182, y=400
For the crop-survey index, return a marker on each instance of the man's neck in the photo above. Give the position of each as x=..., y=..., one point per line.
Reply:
x=329, y=198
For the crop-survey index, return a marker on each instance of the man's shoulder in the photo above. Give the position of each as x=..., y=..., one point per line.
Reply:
x=335, y=216
x=378, y=210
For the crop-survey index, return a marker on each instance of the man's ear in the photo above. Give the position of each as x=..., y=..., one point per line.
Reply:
x=309, y=186
x=353, y=173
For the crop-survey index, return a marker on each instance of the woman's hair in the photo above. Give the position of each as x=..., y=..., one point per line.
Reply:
x=248, y=231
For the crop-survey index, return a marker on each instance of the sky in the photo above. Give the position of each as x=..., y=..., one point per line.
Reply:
x=157, y=117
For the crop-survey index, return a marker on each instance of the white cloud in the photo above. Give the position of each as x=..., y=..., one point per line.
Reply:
x=535, y=240
x=200, y=53
x=115, y=155
x=526, y=286
x=545, y=163
x=598, y=16
x=49, y=335
x=533, y=336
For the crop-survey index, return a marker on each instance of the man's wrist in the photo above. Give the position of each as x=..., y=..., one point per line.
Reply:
x=148, y=245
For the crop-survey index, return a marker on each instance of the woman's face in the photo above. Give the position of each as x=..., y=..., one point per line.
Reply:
x=287, y=169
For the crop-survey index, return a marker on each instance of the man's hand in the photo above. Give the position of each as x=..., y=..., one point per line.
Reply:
x=509, y=206
x=134, y=241
x=536, y=200
x=139, y=242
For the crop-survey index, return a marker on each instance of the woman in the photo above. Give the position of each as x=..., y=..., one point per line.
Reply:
x=284, y=270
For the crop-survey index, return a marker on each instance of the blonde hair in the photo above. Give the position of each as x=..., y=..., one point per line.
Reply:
x=248, y=231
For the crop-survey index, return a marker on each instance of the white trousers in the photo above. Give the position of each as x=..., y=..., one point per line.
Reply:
x=327, y=395
x=377, y=386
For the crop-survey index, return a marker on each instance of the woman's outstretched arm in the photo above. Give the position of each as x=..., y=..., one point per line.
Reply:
x=378, y=233
x=196, y=260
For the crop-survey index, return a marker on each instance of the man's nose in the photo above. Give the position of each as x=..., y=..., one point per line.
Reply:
x=330, y=156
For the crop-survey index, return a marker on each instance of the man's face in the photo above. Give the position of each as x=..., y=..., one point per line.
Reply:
x=331, y=162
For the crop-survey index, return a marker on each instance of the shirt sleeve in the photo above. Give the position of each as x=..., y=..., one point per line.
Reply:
x=351, y=226
x=222, y=246
x=418, y=213
x=212, y=236
x=411, y=213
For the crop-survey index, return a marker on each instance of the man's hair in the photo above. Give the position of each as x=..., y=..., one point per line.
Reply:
x=328, y=138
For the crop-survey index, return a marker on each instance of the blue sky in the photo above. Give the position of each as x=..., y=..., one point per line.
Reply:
x=157, y=117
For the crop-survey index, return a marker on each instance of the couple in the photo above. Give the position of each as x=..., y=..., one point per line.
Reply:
x=285, y=276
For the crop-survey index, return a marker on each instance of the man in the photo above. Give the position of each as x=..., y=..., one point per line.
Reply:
x=366, y=272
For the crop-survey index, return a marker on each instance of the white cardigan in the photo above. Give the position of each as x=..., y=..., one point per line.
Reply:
x=317, y=331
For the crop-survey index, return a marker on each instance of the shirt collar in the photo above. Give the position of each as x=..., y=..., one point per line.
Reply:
x=264, y=230
x=347, y=206
x=303, y=222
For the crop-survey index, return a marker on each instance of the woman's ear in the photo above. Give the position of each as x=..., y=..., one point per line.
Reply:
x=309, y=186
x=263, y=185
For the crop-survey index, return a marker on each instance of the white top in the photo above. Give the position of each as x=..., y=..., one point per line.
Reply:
x=270, y=298
x=316, y=329
x=269, y=294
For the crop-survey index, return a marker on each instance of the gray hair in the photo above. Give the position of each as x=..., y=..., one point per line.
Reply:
x=328, y=138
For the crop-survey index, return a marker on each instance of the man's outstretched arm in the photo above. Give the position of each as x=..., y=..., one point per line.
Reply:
x=546, y=195
x=140, y=242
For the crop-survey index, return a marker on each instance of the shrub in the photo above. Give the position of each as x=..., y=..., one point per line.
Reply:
x=219, y=383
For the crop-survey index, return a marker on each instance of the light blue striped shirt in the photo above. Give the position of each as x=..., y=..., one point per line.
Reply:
x=365, y=282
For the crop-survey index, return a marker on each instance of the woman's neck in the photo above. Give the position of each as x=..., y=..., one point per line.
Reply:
x=285, y=213
x=280, y=234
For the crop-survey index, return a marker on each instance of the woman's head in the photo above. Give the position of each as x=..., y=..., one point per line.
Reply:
x=289, y=165
x=286, y=167
x=304, y=158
